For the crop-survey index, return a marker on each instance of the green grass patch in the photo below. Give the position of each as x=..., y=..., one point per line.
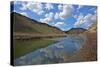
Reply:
x=22, y=47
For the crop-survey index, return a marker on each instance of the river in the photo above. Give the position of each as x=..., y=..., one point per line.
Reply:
x=54, y=53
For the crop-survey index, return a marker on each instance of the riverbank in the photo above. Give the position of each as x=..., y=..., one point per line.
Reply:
x=21, y=36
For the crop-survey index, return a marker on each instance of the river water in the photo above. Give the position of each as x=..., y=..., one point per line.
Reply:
x=54, y=53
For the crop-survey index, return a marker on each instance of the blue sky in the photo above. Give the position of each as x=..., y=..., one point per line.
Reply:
x=63, y=16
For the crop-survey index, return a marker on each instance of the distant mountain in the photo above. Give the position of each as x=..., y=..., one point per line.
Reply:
x=75, y=31
x=22, y=24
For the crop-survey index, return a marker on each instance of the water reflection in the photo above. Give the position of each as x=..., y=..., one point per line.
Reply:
x=54, y=53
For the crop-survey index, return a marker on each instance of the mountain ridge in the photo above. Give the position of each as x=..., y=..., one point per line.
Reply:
x=23, y=24
x=19, y=22
x=75, y=31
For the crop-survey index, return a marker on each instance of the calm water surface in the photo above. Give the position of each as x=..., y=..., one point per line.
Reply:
x=54, y=53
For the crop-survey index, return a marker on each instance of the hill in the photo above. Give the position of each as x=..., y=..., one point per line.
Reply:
x=76, y=31
x=22, y=24
x=28, y=34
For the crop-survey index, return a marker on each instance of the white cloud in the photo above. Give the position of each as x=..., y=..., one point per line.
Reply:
x=51, y=15
x=95, y=11
x=48, y=18
x=80, y=6
x=46, y=15
x=24, y=7
x=42, y=20
x=59, y=24
x=48, y=6
x=88, y=16
x=24, y=13
x=87, y=20
x=56, y=16
x=60, y=7
x=80, y=20
x=75, y=16
x=22, y=3
x=80, y=17
x=35, y=7
x=40, y=12
x=94, y=17
x=66, y=12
